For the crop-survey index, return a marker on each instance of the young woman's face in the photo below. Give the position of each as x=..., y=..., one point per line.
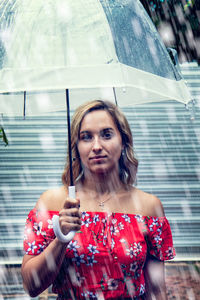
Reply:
x=100, y=143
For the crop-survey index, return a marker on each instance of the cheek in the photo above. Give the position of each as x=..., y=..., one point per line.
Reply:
x=83, y=150
x=116, y=149
x=118, y=152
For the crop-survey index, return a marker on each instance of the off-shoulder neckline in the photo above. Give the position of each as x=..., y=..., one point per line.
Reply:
x=105, y=213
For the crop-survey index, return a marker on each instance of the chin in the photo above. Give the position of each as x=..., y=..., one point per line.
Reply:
x=100, y=171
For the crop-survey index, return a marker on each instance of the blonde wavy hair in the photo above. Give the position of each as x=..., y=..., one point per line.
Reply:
x=128, y=164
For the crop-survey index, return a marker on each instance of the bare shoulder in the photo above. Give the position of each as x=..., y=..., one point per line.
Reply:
x=52, y=199
x=150, y=204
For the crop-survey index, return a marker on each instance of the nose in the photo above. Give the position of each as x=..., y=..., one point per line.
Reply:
x=97, y=147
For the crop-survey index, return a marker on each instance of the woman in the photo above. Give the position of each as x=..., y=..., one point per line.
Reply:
x=122, y=236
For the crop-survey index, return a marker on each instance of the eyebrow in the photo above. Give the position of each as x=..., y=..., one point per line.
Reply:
x=107, y=129
x=104, y=129
x=84, y=131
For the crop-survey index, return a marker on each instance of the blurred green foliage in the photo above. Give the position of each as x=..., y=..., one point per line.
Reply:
x=3, y=136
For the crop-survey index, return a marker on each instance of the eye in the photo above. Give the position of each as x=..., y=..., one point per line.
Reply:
x=107, y=134
x=85, y=137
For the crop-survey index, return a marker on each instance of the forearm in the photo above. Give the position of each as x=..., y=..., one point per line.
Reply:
x=40, y=271
x=152, y=294
x=160, y=295
x=154, y=280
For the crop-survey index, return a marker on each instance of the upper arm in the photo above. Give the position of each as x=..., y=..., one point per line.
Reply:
x=26, y=258
x=49, y=200
x=154, y=206
x=52, y=199
x=154, y=269
x=154, y=272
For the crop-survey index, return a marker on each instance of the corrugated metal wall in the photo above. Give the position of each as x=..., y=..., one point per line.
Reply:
x=167, y=144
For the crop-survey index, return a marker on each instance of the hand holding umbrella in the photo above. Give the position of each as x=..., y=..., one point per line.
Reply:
x=69, y=220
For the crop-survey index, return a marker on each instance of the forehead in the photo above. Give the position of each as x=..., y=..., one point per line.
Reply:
x=97, y=120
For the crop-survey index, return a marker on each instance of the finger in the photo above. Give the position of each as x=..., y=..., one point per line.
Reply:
x=71, y=220
x=69, y=202
x=67, y=227
x=70, y=212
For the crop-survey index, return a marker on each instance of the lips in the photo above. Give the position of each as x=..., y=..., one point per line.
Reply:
x=98, y=157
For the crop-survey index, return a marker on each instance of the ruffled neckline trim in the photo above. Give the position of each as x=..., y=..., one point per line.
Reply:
x=103, y=213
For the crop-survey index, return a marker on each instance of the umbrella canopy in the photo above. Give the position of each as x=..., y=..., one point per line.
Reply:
x=97, y=49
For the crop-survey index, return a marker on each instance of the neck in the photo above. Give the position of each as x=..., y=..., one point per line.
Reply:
x=102, y=184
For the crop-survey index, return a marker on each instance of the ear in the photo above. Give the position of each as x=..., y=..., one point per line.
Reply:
x=123, y=148
x=123, y=152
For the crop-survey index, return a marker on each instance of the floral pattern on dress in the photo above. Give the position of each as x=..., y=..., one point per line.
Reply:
x=112, y=248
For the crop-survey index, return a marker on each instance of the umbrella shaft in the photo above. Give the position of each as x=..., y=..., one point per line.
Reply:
x=24, y=113
x=69, y=138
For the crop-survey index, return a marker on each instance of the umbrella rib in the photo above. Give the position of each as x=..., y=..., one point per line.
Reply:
x=114, y=92
x=69, y=138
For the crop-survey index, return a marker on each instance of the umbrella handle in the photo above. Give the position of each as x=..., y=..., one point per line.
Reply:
x=56, y=226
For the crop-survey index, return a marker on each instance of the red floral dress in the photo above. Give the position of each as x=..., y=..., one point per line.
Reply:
x=106, y=257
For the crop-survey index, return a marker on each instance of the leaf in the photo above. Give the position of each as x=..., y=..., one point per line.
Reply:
x=3, y=136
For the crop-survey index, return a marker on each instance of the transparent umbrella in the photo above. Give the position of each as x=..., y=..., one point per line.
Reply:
x=97, y=49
